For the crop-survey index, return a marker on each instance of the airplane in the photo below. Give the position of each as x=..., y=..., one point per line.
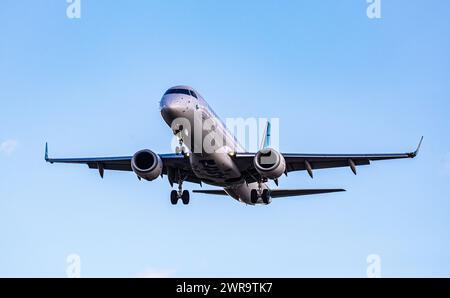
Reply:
x=239, y=174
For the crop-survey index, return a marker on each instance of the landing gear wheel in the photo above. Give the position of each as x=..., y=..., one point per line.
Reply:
x=185, y=197
x=253, y=196
x=180, y=148
x=174, y=197
x=265, y=196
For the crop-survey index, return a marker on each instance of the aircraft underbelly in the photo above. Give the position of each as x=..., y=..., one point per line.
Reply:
x=216, y=169
x=242, y=192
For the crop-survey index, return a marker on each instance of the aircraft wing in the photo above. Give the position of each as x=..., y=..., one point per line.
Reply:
x=275, y=193
x=172, y=163
x=310, y=162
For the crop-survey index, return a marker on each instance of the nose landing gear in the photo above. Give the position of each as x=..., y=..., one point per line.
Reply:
x=180, y=133
x=180, y=149
x=180, y=194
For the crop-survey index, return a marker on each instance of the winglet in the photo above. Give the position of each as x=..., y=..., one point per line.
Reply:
x=266, y=137
x=46, y=151
x=415, y=153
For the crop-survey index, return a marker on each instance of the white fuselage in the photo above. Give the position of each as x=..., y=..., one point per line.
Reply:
x=191, y=118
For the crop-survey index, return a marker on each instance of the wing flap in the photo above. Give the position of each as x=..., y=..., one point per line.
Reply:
x=300, y=165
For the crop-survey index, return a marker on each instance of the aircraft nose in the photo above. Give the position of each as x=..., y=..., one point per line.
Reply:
x=168, y=103
x=170, y=106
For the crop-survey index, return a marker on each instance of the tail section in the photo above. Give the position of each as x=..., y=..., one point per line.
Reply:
x=265, y=143
x=46, y=152
x=277, y=193
x=282, y=193
x=219, y=192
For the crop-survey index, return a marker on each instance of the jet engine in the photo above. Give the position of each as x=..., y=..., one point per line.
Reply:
x=269, y=163
x=147, y=164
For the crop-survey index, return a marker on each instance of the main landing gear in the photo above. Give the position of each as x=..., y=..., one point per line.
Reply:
x=180, y=194
x=255, y=194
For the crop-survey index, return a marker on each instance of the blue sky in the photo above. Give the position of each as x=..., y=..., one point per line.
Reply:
x=338, y=81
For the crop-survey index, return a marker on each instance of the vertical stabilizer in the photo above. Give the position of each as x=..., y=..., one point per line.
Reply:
x=265, y=143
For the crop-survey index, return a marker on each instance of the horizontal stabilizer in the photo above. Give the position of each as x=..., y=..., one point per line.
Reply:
x=276, y=193
x=282, y=193
x=219, y=192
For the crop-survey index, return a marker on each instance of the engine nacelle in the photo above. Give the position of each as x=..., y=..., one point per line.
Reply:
x=269, y=163
x=147, y=164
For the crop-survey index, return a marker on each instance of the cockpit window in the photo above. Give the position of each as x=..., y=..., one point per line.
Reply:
x=178, y=91
x=193, y=94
